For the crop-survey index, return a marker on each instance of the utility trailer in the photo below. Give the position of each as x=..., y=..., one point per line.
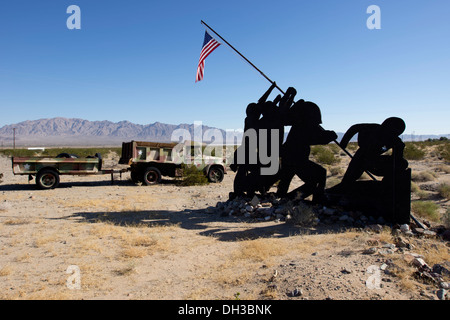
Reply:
x=149, y=161
x=47, y=170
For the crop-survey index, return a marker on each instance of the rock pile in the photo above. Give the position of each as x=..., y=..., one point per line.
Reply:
x=304, y=213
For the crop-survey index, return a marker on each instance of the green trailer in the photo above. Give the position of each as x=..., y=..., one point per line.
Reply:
x=48, y=170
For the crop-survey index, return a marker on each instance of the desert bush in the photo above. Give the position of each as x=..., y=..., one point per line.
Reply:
x=324, y=155
x=444, y=190
x=192, y=176
x=423, y=176
x=444, y=151
x=417, y=191
x=444, y=168
x=302, y=215
x=426, y=209
x=412, y=152
x=335, y=171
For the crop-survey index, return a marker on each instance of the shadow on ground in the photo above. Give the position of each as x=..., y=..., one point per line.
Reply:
x=32, y=185
x=206, y=224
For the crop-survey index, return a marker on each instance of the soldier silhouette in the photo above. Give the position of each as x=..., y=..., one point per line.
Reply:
x=274, y=118
x=246, y=179
x=305, y=118
x=374, y=140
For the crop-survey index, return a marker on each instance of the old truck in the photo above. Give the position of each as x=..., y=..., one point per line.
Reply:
x=47, y=170
x=149, y=161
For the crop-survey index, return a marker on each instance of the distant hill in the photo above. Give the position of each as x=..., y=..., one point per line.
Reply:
x=79, y=132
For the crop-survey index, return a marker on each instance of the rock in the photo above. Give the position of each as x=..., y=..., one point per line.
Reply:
x=249, y=208
x=328, y=211
x=420, y=263
x=371, y=250
x=389, y=246
x=441, y=294
x=444, y=285
x=446, y=235
x=429, y=233
x=255, y=201
x=375, y=227
x=295, y=293
x=345, y=271
x=404, y=228
x=440, y=269
x=402, y=243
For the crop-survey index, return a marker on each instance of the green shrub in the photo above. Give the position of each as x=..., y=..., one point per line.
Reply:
x=192, y=176
x=444, y=151
x=412, y=152
x=426, y=209
x=324, y=155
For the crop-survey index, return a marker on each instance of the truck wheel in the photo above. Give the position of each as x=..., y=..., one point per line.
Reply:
x=151, y=176
x=134, y=176
x=215, y=174
x=47, y=179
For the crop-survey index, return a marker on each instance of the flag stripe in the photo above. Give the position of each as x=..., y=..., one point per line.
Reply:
x=209, y=45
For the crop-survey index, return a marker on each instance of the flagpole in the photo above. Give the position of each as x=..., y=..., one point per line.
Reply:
x=272, y=82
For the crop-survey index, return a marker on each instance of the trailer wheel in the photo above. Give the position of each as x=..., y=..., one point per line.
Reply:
x=151, y=176
x=215, y=174
x=47, y=179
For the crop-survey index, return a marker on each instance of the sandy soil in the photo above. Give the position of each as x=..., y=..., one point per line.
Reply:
x=89, y=239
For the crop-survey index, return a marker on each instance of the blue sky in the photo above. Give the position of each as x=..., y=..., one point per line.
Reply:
x=136, y=60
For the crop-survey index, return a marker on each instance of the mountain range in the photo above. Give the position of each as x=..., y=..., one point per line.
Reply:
x=78, y=132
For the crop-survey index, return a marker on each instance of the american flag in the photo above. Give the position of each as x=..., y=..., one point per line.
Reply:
x=209, y=44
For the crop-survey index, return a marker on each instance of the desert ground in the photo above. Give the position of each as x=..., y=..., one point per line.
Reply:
x=90, y=239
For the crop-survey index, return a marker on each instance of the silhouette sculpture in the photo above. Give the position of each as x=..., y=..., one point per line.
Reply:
x=247, y=172
x=274, y=118
x=391, y=196
x=305, y=118
x=373, y=141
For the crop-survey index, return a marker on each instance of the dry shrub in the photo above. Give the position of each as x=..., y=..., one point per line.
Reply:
x=444, y=190
x=426, y=209
x=259, y=250
x=423, y=176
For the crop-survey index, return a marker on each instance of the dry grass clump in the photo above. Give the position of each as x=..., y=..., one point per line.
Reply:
x=423, y=176
x=443, y=168
x=259, y=250
x=444, y=190
x=426, y=209
x=418, y=192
